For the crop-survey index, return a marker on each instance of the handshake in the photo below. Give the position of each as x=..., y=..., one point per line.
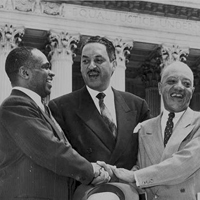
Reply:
x=104, y=173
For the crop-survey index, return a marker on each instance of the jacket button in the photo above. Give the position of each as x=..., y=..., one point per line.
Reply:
x=182, y=190
x=89, y=150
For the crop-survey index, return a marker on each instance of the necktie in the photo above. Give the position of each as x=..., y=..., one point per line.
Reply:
x=168, y=128
x=106, y=114
x=48, y=113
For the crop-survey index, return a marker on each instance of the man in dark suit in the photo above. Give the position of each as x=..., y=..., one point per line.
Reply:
x=169, y=147
x=36, y=160
x=82, y=118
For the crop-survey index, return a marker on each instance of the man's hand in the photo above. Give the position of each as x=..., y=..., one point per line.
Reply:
x=124, y=174
x=102, y=178
x=106, y=167
x=96, y=169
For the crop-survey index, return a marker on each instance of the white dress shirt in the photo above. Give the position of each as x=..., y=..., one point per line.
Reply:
x=108, y=101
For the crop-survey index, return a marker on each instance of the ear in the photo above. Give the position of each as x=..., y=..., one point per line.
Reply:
x=24, y=72
x=193, y=88
x=114, y=65
x=160, y=88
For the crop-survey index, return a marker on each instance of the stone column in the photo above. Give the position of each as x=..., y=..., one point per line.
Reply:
x=62, y=46
x=150, y=75
x=194, y=104
x=122, y=48
x=10, y=37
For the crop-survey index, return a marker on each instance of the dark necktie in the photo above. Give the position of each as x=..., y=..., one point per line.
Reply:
x=168, y=128
x=106, y=114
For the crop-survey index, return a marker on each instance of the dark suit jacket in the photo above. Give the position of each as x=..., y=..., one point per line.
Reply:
x=87, y=132
x=34, y=162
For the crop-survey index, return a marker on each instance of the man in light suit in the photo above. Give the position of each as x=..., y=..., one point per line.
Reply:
x=79, y=113
x=36, y=160
x=170, y=170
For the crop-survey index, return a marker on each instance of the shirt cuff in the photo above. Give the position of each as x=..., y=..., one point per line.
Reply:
x=136, y=180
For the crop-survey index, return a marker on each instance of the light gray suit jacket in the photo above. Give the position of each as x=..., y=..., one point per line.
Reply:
x=173, y=172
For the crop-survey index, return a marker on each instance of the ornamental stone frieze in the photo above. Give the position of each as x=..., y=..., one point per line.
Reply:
x=35, y=6
x=7, y=4
x=52, y=7
x=10, y=37
x=62, y=44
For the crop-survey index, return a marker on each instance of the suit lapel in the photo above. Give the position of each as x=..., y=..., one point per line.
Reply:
x=55, y=128
x=88, y=112
x=152, y=140
x=181, y=130
x=58, y=131
x=124, y=134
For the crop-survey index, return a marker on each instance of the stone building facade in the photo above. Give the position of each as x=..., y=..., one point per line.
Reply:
x=148, y=35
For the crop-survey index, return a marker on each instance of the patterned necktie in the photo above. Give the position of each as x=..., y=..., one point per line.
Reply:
x=168, y=128
x=48, y=113
x=106, y=114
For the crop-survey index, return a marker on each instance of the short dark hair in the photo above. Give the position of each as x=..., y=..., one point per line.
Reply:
x=107, y=43
x=20, y=56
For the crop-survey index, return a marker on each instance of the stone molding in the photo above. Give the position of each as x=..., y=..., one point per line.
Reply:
x=52, y=7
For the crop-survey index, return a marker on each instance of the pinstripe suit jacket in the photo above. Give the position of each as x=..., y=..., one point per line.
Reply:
x=173, y=172
x=35, y=164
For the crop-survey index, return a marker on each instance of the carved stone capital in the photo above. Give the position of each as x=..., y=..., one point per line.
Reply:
x=10, y=37
x=150, y=74
x=122, y=49
x=171, y=53
x=62, y=44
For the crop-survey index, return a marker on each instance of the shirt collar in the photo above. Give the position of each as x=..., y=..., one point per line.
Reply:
x=93, y=93
x=34, y=96
x=176, y=117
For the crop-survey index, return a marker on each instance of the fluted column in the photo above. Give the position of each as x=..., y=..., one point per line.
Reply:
x=62, y=46
x=122, y=48
x=194, y=104
x=10, y=37
x=150, y=75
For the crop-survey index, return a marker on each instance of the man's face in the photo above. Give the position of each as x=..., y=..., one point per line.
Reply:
x=96, y=67
x=176, y=87
x=41, y=76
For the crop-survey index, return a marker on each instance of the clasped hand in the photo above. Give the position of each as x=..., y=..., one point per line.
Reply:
x=105, y=172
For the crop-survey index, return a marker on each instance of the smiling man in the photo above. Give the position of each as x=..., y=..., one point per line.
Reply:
x=97, y=119
x=36, y=160
x=169, y=144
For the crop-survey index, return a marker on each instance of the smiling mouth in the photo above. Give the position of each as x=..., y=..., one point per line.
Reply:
x=175, y=95
x=49, y=81
x=93, y=74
